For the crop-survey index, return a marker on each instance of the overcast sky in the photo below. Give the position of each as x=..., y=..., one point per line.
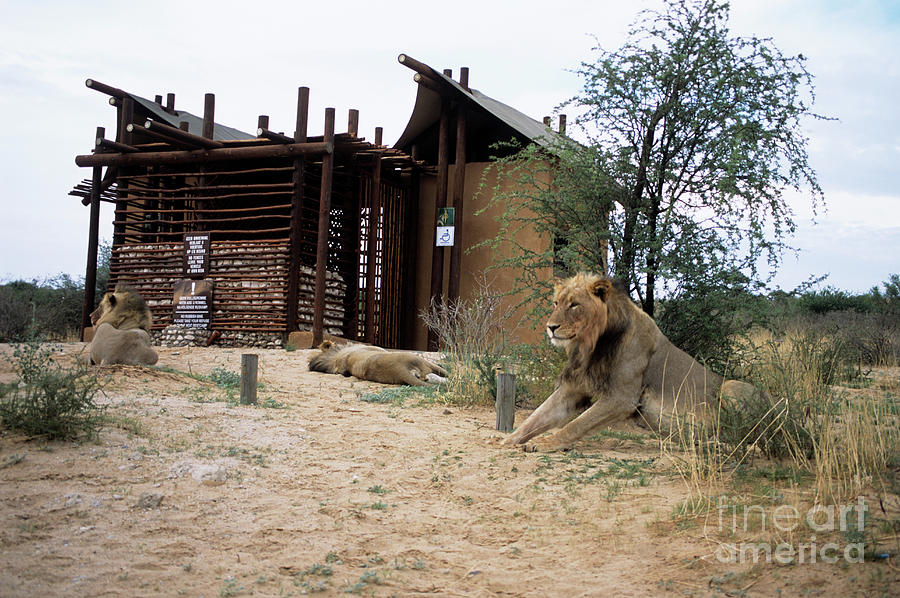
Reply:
x=254, y=55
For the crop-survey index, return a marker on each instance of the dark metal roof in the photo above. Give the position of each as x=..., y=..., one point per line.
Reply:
x=195, y=123
x=496, y=121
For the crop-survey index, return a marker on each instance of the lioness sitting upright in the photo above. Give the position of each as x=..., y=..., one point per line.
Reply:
x=619, y=364
x=122, y=329
x=376, y=364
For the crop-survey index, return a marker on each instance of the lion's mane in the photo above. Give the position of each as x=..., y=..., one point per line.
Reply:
x=122, y=324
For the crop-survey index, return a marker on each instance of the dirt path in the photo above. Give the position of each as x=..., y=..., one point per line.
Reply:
x=319, y=491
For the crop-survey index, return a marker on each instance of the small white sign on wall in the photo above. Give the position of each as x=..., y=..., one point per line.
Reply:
x=444, y=237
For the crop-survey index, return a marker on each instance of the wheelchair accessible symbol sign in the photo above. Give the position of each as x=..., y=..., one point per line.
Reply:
x=445, y=230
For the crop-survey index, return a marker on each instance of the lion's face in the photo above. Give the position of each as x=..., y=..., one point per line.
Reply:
x=579, y=311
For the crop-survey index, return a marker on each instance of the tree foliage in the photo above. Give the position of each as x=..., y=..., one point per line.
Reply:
x=693, y=138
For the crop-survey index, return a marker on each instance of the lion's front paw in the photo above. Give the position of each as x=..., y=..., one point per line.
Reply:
x=544, y=445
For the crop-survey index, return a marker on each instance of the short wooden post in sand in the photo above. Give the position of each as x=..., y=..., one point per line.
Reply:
x=506, y=401
x=249, y=363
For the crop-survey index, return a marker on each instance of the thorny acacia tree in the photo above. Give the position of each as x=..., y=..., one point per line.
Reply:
x=693, y=138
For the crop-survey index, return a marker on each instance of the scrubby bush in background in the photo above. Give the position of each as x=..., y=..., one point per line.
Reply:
x=48, y=308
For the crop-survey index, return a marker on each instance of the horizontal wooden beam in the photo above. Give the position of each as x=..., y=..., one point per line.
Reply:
x=202, y=155
x=273, y=136
x=107, y=89
x=183, y=136
x=115, y=146
x=419, y=67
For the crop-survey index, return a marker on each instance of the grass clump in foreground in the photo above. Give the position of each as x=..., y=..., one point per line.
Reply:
x=845, y=441
x=49, y=399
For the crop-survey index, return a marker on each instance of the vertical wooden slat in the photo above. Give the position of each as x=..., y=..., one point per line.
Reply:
x=324, y=225
x=293, y=283
x=410, y=228
x=90, y=275
x=209, y=115
x=371, y=249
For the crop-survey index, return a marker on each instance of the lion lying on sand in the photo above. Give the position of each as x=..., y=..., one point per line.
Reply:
x=376, y=364
x=122, y=329
x=619, y=365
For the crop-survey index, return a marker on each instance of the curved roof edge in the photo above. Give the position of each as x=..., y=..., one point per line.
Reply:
x=427, y=109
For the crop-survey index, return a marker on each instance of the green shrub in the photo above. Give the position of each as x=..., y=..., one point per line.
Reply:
x=706, y=317
x=49, y=308
x=537, y=368
x=49, y=399
x=831, y=299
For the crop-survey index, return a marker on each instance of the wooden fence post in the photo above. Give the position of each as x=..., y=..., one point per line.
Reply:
x=506, y=401
x=249, y=362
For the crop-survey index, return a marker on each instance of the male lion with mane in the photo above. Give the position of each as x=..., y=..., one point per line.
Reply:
x=619, y=365
x=376, y=364
x=122, y=329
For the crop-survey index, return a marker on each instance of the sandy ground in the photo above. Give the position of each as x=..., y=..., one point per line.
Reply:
x=318, y=491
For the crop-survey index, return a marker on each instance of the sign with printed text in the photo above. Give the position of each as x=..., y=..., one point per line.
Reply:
x=445, y=230
x=193, y=303
x=196, y=255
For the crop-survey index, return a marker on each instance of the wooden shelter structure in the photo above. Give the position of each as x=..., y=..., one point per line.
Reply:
x=320, y=233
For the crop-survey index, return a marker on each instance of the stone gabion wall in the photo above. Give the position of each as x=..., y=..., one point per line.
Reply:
x=178, y=336
x=249, y=301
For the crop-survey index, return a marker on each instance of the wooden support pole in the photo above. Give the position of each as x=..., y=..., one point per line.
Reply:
x=209, y=115
x=372, y=248
x=293, y=282
x=562, y=124
x=322, y=239
x=459, y=188
x=249, y=366
x=408, y=317
x=353, y=123
x=262, y=122
x=90, y=276
x=126, y=117
x=440, y=201
x=506, y=401
x=123, y=135
x=170, y=102
x=379, y=134
x=289, y=150
x=437, y=263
